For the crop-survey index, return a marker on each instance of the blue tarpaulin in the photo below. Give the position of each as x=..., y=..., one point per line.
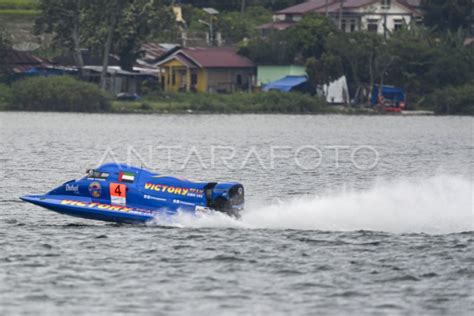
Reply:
x=285, y=84
x=392, y=94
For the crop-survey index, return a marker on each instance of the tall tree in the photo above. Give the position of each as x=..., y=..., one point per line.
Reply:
x=63, y=19
x=324, y=70
x=122, y=26
x=139, y=21
x=447, y=14
x=310, y=35
x=102, y=17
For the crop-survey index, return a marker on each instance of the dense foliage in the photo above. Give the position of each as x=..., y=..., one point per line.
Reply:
x=452, y=99
x=118, y=26
x=447, y=14
x=57, y=94
x=420, y=60
x=423, y=60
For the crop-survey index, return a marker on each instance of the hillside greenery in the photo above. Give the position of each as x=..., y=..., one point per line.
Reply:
x=19, y=7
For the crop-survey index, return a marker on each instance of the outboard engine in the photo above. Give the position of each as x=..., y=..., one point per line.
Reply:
x=225, y=197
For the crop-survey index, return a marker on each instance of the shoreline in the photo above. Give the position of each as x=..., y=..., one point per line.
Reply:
x=195, y=112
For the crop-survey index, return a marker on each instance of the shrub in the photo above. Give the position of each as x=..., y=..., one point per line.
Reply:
x=62, y=93
x=5, y=96
x=452, y=100
x=260, y=102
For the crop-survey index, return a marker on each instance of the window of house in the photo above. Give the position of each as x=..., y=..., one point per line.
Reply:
x=173, y=79
x=373, y=25
x=194, y=79
x=239, y=79
x=353, y=25
x=397, y=24
x=343, y=25
x=385, y=4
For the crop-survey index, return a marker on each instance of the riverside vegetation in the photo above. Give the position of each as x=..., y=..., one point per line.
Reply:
x=429, y=61
x=72, y=95
x=69, y=94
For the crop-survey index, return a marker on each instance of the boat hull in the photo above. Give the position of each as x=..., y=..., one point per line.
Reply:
x=86, y=208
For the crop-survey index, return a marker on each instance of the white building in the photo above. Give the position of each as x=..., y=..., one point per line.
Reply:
x=381, y=16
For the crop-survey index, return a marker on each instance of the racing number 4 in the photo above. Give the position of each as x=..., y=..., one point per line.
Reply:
x=118, y=189
x=118, y=192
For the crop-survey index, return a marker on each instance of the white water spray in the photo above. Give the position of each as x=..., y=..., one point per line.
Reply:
x=437, y=205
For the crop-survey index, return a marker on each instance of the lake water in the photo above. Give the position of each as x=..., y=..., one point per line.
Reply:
x=344, y=214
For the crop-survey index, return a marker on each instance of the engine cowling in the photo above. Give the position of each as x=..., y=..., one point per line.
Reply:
x=228, y=198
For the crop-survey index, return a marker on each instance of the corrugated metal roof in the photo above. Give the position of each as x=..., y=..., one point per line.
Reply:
x=276, y=25
x=334, y=5
x=217, y=57
x=21, y=62
x=412, y=3
x=347, y=5
x=16, y=57
x=305, y=7
x=209, y=57
x=154, y=51
x=89, y=59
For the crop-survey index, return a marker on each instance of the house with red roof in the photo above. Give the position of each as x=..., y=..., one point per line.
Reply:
x=380, y=16
x=206, y=69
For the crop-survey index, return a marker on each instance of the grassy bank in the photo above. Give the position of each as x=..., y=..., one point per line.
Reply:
x=272, y=102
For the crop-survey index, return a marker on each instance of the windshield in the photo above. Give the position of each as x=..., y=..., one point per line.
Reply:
x=95, y=174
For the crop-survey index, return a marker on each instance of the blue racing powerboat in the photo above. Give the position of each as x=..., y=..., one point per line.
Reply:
x=125, y=194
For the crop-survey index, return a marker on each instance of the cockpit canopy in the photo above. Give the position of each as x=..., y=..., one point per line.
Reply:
x=95, y=174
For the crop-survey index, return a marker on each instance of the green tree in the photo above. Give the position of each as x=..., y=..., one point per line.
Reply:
x=363, y=57
x=323, y=71
x=235, y=26
x=447, y=14
x=122, y=26
x=139, y=21
x=310, y=35
x=414, y=53
x=274, y=49
x=119, y=26
x=453, y=63
x=63, y=19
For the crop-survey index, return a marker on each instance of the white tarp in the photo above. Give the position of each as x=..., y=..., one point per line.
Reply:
x=337, y=92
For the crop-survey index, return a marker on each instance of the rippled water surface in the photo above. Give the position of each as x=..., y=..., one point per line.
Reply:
x=345, y=214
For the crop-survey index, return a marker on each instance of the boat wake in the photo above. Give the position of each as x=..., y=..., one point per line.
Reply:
x=437, y=205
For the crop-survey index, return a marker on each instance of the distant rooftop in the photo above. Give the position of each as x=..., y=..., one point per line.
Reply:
x=332, y=5
x=210, y=57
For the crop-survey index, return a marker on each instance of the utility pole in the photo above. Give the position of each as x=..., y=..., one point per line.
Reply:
x=327, y=7
x=341, y=6
x=242, y=8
